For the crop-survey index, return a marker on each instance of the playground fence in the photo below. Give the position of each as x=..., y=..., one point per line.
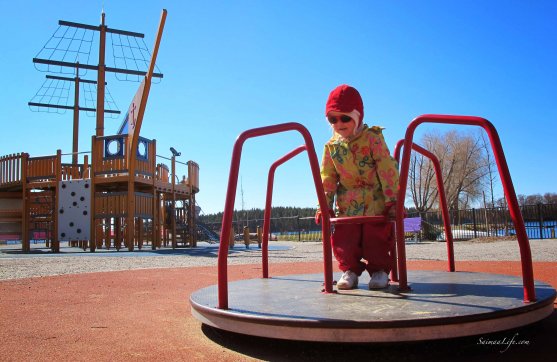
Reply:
x=540, y=221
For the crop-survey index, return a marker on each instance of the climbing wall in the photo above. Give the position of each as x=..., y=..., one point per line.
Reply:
x=74, y=208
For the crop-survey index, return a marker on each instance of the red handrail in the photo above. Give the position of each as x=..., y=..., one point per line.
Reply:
x=231, y=195
x=268, y=204
x=506, y=181
x=359, y=219
x=442, y=197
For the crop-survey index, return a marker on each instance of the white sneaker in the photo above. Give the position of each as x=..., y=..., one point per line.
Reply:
x=379, y=280
x=348, y=280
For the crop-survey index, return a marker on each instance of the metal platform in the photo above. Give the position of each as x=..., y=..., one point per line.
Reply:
x=439, y=305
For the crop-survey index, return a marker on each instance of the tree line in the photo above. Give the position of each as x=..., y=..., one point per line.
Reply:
x=283, y=218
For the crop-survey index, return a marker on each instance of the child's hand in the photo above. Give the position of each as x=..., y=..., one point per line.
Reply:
x=318, y=216
x=390, y=210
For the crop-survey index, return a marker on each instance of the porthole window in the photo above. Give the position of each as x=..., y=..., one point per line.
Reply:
x=142, y=149
x=113, y=148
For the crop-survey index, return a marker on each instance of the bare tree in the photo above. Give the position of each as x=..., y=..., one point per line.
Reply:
x=547, y=198
x=534, y=199
x=463, y=163
x=491, y=168
x=502, y=202
x=550, y=198
x=421, y=180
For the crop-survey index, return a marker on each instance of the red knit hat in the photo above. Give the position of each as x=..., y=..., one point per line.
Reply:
x=345, y=99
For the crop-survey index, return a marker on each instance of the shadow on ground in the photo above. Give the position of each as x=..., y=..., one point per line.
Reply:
x=521, y=344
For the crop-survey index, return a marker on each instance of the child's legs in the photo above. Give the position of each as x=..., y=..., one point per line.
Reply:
x=347, y=247
x=377, y=245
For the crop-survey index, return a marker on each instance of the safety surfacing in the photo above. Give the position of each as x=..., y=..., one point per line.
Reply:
x=438, y=305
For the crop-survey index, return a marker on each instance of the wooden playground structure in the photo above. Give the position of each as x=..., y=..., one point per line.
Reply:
x=119, y=196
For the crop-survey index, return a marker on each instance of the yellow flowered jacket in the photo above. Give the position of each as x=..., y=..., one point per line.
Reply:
x=361, y=174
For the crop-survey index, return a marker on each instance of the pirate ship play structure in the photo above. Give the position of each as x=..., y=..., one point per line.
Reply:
x=118, y=196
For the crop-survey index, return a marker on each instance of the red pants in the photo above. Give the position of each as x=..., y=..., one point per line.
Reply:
x=372, y=242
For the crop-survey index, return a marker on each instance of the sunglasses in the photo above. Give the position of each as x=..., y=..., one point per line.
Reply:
x=343, y=119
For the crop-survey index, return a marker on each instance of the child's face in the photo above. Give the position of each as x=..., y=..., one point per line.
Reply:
x=345, y=130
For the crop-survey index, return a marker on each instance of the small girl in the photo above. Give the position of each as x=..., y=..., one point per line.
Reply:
x=358, y=169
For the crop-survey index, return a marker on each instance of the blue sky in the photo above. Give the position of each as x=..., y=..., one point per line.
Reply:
x=234, y=65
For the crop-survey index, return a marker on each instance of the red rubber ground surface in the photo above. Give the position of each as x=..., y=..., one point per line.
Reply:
x=145, y=315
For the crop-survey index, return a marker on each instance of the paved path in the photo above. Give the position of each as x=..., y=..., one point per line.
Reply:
x=15, y=264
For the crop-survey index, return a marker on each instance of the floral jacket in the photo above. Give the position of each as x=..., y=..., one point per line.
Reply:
x=360, y=172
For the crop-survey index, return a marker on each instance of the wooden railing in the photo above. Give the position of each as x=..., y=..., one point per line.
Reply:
x=193, y=175
x=145, y=160
x=38, y=169
x=162, y=173
x=114, y=204
x=42, y=168
x=111, y=156
x=72, y=172
x=11, y=169
x=143, y=205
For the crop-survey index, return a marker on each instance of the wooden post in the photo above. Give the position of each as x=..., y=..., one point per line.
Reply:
x=130, y=203
x=140, y=233
x=192, y=218
x=85, y=167
x=101, y=78
x=157, y=220
x=154, y=200
x=25, y=217
x=94, y=162
x=117, y=233
x=107, y=232
x=173, y=208
x=99, y=234
x=259, y=236
x=246, y=237
x=231, y=239
x=75, y=145
x=55, y=239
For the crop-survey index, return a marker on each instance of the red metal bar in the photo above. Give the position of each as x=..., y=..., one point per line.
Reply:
x=231, y=195
x=442, y=198
x=359, y=219
x=506, y=181
x=268, y=203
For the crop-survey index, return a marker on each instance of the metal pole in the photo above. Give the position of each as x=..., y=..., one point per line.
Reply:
x=540, y=220
x=442, y=199
x=474, y=223
x=231, y=195
x=506, y=181
x=268, y=205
